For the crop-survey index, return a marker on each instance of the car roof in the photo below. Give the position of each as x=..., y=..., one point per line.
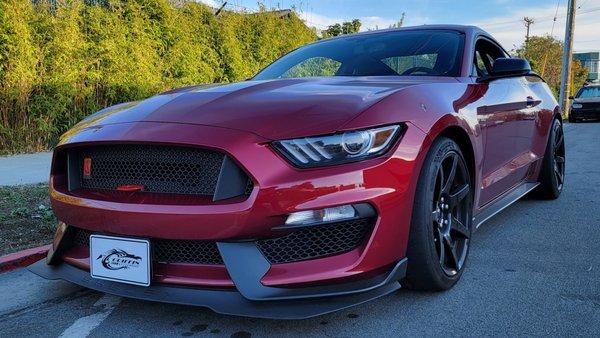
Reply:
x=466, y=29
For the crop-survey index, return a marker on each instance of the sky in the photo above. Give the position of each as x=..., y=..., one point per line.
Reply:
x=501, y=18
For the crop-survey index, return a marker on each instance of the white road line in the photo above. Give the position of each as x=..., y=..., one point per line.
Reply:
x=84, y=326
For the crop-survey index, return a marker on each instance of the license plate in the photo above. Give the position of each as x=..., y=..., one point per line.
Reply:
x=118, y=259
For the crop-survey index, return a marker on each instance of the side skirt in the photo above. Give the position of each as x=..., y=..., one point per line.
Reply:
x=503, y=202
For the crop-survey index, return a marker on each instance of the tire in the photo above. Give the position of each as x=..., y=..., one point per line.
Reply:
x=430, y=261
x=573, y=119
x=552, y=173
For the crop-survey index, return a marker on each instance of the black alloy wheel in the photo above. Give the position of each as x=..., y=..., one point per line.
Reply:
x=450, y=213
x=559, y=155
x=442, y=220
x=552, y=172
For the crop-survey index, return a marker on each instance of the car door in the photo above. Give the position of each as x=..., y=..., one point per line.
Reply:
x=506, y=119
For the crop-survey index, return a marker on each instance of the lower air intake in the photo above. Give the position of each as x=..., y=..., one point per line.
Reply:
x=317, y=241
x=169, y=251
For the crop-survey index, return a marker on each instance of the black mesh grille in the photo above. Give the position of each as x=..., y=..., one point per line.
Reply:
x=198, y=252
x=169, y=251
x=82, y=238
x=249, y=187
x=316, y=242
x=160, y=169
x=591, y=105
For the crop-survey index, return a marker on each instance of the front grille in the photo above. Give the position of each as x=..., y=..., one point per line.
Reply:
x=160, y=169
x=81, y=238
x=591, y=105
x=316, y=242
x=168, y=251
x=300, y=245
x=194, y=252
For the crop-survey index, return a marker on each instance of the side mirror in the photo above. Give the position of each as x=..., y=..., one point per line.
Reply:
x=507, y=67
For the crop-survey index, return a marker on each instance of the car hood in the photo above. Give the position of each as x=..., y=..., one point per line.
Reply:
x=273, y=109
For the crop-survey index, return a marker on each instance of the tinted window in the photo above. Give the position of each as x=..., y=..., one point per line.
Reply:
x=317, y=66
x=486, y=54
x=589, y=92
x=427, y=52
x=401, y=64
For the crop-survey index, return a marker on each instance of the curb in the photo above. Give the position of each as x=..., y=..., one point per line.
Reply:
x=23, y=258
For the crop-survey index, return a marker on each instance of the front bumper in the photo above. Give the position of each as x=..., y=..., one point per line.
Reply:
x=387, y=184
x=246, y=278
x=585, y=113
x=251, y=299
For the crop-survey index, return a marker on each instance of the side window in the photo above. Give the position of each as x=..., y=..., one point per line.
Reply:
x=486, y=53
x=316, y=66
x=480, y=66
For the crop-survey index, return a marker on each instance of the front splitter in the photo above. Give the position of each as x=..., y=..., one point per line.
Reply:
x=230, y=302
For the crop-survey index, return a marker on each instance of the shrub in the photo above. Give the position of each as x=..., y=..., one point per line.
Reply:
x=61, y=60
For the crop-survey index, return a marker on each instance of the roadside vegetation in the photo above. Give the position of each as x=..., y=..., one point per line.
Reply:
x=26, y=219
x=62, y=60
x=545, y=56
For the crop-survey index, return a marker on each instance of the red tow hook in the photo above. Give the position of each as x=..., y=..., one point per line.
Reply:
x=130, y=187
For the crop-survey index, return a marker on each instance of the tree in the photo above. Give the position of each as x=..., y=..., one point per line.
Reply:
x=545, y=54
x=347, y=27
x=399, y=23
x=332, y=30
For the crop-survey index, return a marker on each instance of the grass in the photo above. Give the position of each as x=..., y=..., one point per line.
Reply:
x=26, y=219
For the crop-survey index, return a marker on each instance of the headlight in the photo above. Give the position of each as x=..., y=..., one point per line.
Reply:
x=577, y=105
x=334, y=149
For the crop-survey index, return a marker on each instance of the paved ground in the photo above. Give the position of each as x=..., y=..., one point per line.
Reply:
x=534, y=270
x=25, y=169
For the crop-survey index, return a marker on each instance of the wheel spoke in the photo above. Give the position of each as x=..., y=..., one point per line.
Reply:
x=441, y=247
x=452, y=257
x=436, y=215
x=559, y=175
x=451, y=175
x=459, y=228
x=459, y=195
x=559, y=140
x=440, y=179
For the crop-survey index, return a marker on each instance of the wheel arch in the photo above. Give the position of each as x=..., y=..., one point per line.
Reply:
x=469, y=140
x=461, y=137
x=558, y=114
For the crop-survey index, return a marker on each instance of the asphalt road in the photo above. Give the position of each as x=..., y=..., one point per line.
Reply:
x=534, y=270
x=25, y=168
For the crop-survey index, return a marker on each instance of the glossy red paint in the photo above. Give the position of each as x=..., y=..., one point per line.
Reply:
x=505, y=135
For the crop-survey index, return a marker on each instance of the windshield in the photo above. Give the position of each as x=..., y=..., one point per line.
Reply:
x=425, y=52
x=589, y=92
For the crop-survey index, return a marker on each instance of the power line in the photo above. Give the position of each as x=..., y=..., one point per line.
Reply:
x=551, y=34
x=546, y=18
x=542, y=18
x=555, y=17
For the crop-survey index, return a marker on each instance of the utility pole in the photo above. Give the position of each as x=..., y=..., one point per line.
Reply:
x=565, y=79
x=528, y=22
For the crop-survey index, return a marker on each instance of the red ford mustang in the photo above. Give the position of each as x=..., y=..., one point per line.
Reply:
x=343, y=170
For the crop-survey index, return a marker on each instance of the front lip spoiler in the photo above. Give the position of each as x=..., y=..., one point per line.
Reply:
x=305, y=303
